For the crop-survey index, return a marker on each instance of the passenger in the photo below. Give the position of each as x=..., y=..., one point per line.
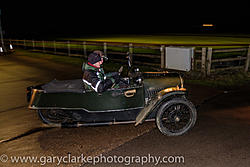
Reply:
x=94, y=75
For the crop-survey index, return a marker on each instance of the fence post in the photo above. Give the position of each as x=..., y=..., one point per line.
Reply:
x=247, y=60
x=209, y=60
x=54, y=47
x=193, y=60
x=203, y=61
x=24, y=44
x=84, y=49
x=105, y=49
x=68, y=48
x=162, y=49
x=33, y=44
x=131, y=51
x=43, y=47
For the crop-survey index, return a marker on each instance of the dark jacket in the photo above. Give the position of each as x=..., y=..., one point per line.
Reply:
x=96, y=79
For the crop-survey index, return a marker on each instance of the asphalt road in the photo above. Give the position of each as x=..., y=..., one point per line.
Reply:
x=220, y=137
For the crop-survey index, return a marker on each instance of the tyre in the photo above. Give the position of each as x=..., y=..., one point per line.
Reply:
x=50, y=116
x=176, y=116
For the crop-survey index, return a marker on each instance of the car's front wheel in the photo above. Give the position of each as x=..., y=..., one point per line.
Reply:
x=176, y=116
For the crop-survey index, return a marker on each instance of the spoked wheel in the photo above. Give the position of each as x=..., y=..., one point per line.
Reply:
x=55, y=116
x=176, y=116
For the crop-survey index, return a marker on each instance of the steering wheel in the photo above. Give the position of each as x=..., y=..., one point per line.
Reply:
x=119, y=71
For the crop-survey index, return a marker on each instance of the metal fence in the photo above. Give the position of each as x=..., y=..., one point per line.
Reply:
x=207, y=58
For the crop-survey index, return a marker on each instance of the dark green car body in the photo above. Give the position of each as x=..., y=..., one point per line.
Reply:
x=90, y=101
x=133, y=104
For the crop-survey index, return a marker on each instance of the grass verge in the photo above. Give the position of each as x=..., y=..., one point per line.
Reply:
x=206, y=39
x=226, y=80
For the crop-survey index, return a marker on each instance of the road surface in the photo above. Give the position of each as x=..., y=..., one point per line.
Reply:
x=220, y=137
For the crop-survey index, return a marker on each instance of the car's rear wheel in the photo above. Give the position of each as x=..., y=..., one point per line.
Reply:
x=54, y=116
x=176, y=116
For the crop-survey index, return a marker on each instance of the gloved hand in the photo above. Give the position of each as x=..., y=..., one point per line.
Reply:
x=116, y=77
x=112, y=74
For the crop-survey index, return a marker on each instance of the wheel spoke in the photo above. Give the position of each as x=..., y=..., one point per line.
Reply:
x=56, y=116
x=176, y=117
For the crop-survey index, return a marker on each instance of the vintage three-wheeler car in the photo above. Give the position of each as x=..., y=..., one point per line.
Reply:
x=148, y=96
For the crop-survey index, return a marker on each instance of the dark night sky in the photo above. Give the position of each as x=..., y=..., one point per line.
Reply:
x=42, y=19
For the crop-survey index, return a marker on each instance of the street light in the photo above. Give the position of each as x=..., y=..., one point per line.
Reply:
x=208, y=27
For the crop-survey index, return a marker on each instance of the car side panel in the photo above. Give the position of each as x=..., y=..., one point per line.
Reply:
x=111, y=100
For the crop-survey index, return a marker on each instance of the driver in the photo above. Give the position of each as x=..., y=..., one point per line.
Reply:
x=94, y=75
